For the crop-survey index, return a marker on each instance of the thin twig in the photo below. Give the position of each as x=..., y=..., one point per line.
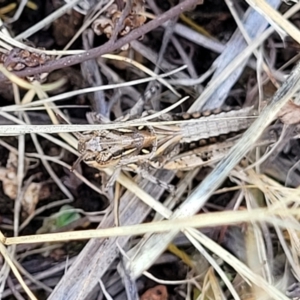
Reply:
x=107, y=47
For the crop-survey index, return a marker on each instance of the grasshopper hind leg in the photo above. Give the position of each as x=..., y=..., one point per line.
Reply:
x=144, y=173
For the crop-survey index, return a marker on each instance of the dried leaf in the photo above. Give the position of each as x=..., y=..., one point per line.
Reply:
x=290, y=113
x=103, y=26
x=158, y=292
x=106, y=23
x=18, y=59
x=31, y=197
x=10, y=188
x=8, y=176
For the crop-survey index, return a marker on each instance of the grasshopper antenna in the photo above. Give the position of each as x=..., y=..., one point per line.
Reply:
x=63, y=120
